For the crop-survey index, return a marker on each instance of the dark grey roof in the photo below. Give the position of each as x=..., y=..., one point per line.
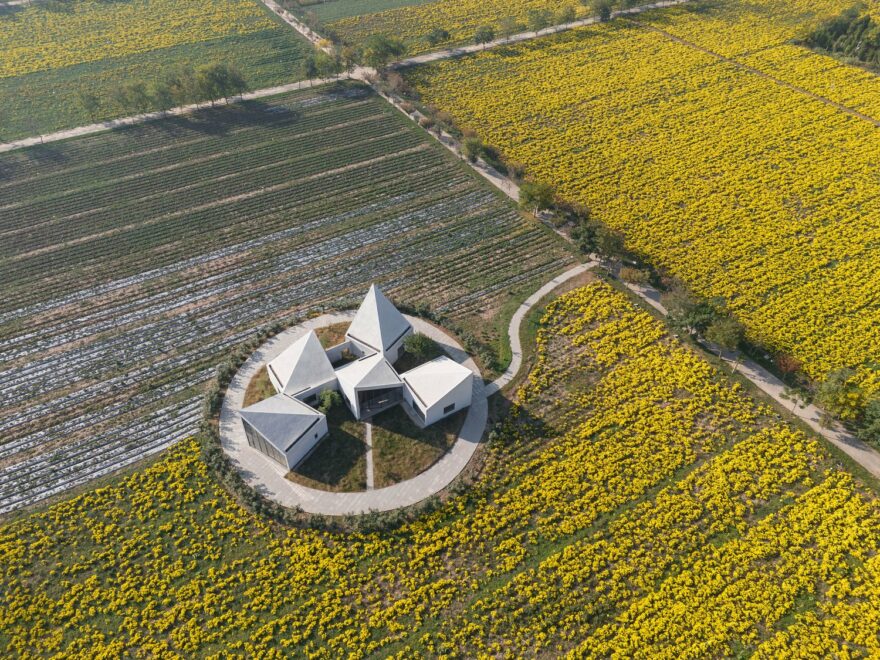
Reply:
x=281, y=420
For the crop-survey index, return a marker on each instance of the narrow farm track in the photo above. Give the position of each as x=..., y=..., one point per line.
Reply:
x=459, y=51
x=758, y=72
x=104, y=355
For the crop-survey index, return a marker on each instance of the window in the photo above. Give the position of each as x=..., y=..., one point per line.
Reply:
x=448, y=409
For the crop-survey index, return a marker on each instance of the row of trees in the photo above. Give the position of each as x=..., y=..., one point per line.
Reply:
x=182, y=86
x=536, y=20
x=854, y=34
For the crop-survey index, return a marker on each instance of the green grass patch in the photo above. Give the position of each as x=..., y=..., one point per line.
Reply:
x=339, y=462
x=259, y=389
x=401, y=450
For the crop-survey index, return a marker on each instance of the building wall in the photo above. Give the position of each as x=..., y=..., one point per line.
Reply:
x=302, y=447
x=394, y=352
x=309, y=396
x=460, y=397
x=257, y=441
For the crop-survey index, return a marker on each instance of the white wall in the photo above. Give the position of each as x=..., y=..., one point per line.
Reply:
x=460, y=396
x=305, y=444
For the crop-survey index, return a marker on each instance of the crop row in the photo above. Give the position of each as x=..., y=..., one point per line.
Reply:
x=777, y=217
x=629, y=477
x=149, y=292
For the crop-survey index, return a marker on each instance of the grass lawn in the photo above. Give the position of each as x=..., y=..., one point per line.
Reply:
x=259, y=388
x=339, y=462
x=401, y=450
x=332, y=335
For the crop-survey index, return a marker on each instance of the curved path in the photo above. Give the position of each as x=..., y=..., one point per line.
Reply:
x=267, y=477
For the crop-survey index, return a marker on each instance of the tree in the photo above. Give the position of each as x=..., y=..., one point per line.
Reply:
x=379, y=49
x=472, y=148
x=133, y=97
x=326, y=65
x=535, y=196
x=162, y=96
x=349, y=58
x=603, y=9
x=421, y=346
x=687, y=313
x=839, y=395
x=183, y=86
x=327, y=400
x=89, y=103
x=796, y=396
x=309, y=68
x=484, y=35
x=609, y=242
x=509, y=26
x=566, y=15
x=219, y=80
x=869, y=429
x=538, y=19
x=787, y=365
x=437, y=36
x=727, y=333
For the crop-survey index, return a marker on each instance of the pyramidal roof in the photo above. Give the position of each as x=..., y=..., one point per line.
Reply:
x=302, y=365
x=371, y=372
x=281, y=420
x=377, y=323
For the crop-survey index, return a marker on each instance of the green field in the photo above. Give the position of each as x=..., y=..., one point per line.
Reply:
x=43, y=99
x=134, y=260
x=333, y=10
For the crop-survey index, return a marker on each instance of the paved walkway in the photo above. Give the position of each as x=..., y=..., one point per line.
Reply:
x=368, y=439
x=459, y=51
x=102, y=126
x=860, y=452
x=514, y=327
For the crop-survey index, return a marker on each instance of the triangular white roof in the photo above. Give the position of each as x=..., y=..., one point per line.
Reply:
x=369, y=373
x=302, y=365
x=377, y=323
x=281, y=420
x=433, y=380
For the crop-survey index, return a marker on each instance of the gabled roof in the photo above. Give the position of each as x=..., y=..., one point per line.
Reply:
x=302, y=365
x=377, y=323
x=281, y=420
x=368, y=373
x=432, y=381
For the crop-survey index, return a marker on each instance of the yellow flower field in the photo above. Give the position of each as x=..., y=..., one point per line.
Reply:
x=619, y=438
x=748, y=183
x=460, y=18
x=37, y=38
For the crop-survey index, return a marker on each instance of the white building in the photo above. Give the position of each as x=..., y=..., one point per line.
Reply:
x=369, y=385
x=437, y=389
x=283, y=428
x=287, y=428
x=303, y=370
x=378, y=327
